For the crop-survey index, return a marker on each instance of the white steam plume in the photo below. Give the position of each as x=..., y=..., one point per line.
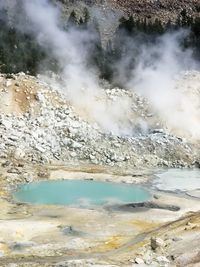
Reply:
x=71, y=49
x=155, y=77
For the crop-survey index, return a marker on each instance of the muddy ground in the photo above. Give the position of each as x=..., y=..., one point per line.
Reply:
x=44, y=137
x=43, y=235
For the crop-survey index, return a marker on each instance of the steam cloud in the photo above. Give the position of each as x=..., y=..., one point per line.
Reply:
x=153, y=77
x=71, y=48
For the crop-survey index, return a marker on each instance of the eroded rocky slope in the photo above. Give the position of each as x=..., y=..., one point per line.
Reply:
x=45, y=136
x=39, y=125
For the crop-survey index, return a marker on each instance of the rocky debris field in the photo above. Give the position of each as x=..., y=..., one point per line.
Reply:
x=39, y=125
x=45, y=136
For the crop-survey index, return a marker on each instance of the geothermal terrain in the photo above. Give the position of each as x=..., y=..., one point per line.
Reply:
x=39, y=125
x=45, y=137
x=71, y=124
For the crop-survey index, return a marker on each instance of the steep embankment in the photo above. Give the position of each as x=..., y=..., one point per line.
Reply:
x=38, y=124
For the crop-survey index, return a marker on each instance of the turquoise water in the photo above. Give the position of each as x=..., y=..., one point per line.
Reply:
x=80, y=193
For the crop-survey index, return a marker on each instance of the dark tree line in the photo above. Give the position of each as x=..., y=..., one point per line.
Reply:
x=147, y=32
x=20, y=51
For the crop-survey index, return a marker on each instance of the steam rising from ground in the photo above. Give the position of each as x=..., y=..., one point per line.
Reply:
x=153, y=77
x=80, y=83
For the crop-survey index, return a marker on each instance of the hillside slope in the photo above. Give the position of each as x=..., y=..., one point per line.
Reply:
x=150, y=9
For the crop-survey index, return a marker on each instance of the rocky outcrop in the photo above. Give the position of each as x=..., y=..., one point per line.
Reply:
x=41, y=126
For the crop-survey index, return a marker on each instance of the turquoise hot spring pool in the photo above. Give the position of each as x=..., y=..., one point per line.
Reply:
x=80, y=193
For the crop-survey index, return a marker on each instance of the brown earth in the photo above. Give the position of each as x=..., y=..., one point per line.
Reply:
x=150, y=9
x=163, y=9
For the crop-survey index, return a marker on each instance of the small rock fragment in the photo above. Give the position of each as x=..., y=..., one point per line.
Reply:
x=162, y=259
x=156, y=242
x=139, y=261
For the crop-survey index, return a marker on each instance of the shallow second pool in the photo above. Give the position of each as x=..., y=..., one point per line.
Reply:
x=80, y=193
x=182, y=180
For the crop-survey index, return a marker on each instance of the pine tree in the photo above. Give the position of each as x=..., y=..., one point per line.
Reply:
x=86, y=16
x=72, y=21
